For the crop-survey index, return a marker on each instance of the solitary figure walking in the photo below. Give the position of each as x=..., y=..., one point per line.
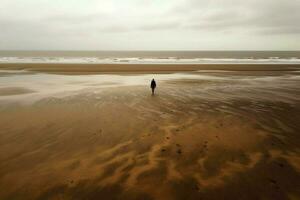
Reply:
x=153, y=86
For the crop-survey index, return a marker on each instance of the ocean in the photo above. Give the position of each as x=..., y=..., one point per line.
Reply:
x=152, y=57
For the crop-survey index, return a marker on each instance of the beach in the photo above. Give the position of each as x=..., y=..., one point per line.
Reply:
x=80, y=68
x=94, y=131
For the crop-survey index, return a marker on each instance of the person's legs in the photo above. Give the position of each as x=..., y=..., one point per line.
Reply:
x=152, y=91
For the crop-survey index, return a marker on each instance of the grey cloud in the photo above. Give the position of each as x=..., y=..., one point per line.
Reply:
x=159, y=26
x=165, y=24
x=279, y=16
x=75, y=19
x=279, y=30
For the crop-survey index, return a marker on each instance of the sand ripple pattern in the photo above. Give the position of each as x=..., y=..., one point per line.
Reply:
x=195, y=139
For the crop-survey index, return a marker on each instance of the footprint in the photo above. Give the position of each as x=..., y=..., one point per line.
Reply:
x=280, y=164
x=179, y=151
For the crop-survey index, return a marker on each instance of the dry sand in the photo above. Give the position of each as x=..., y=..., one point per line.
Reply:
x=193, y=140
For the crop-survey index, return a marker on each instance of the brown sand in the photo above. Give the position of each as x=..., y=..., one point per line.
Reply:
x=126, y=144
x=143, y=68
x=14, y=91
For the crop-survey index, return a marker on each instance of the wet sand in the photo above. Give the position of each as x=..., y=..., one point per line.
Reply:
x=141, y=68
x=213, y=135
x=14, y=91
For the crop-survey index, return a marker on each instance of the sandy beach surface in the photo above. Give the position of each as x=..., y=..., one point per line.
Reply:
x=77, y=68
x=209, y=132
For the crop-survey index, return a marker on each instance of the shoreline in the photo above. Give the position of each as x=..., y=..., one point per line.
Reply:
x=142, y=68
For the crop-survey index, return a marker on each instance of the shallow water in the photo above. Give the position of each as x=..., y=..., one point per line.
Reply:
x=224, y=83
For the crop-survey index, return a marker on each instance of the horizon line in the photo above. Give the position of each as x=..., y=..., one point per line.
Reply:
x=150, y=50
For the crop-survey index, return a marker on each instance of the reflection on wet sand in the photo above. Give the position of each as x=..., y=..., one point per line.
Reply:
x=223, y=138
x=7, y=91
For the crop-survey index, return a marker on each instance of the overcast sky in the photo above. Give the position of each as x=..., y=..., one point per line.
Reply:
x=150, y=24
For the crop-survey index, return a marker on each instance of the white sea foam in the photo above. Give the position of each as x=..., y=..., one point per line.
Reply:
x=140, y=60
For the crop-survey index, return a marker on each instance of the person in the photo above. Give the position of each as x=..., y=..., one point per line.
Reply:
x=153, y=86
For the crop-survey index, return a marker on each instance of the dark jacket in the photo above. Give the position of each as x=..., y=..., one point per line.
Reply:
x=153, y=84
